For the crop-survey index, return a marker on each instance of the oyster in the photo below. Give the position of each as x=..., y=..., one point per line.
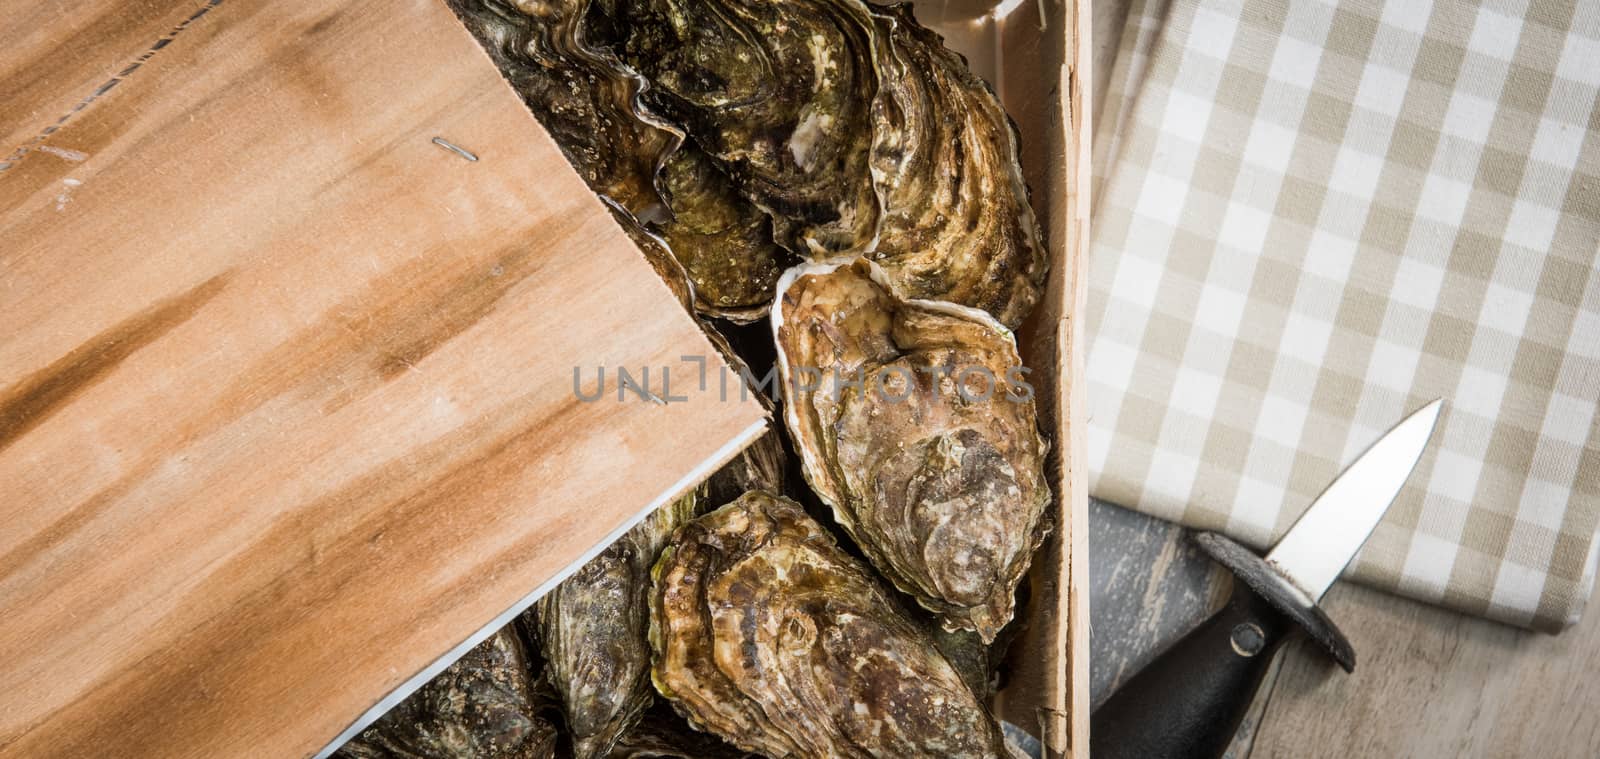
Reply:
x=766, y=633
x=481, y=707
x=586, y=98
x=592, y=632
x=859, y=133
x=780, y=94
x=662, y=734
x=913, y=423
x=760, y=466
x=722, y=241
x=742, y=133
x=957, y=225
x=554, y=54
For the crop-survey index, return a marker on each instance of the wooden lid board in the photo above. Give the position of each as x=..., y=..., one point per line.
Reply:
x=287, y=408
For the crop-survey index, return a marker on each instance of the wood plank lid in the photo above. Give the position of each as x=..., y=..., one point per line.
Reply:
x=287, y=406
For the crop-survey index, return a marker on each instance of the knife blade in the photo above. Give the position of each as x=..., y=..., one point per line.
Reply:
x=1189, y=701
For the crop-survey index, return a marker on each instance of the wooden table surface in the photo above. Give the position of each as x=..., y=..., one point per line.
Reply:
x=1428, y=682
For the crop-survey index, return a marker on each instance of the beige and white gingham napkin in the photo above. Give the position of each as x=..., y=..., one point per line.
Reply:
x=1314, y=218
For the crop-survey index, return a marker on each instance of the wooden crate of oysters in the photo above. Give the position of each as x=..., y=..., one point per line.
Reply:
x=304, y=302
x=834, y=193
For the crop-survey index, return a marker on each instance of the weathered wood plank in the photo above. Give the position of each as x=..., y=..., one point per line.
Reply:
x=1151, y=586
x=1431, y=682
x=286, y=389
x=56, y=61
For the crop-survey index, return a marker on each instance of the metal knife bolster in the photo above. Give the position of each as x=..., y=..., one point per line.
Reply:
x=1281, y=594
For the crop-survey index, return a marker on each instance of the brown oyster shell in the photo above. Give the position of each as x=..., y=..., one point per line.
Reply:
x=822, y=127
x=780, y=94
x=554, y=54
x=722, y=241
x=760, y=466
x=481, y=707
x=587, y=99
x=939, y=481
x=591, y=630
x=957, y=224
x=858, y=131
x=662, y=734
x=766, y=633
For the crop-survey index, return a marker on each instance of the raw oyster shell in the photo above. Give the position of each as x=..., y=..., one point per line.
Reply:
x=554, y=55
x=591, y=630
x=760, y=466
x=780, y=94
x=957, y=225
x=662, y=734
x=766, y=633
x=587, y=99
x=821, y=127
x=722, y=241
x=858, y=131
x=932, y=462
x=481, y=707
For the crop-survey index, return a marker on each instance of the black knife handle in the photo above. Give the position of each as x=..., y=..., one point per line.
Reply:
x=1189, y=701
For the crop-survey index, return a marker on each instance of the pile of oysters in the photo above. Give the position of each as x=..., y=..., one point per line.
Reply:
x=844, y=587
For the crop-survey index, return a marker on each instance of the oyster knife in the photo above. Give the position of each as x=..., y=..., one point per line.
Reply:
x=1190, y=700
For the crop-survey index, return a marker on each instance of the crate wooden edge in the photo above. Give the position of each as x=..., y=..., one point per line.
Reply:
x=1079, y=137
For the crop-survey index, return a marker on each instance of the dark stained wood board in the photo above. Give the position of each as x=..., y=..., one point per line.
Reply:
x=286, y=401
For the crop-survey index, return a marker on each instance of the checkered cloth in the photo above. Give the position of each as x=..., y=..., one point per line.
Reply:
x=1314, y=218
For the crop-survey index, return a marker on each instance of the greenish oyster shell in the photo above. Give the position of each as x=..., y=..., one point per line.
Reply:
x=768, y=634
x=723, y=243
x=481, y=707
x=591, y=630
x=957, y=224
x=780, y=94
x=587, y=99
x=858, y=131
x=933, y=463
x=555, y=56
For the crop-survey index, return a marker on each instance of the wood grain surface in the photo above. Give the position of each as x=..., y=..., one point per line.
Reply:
x=1040, y=54
x=55, y=63
x=286, y=388
x=1431, y=682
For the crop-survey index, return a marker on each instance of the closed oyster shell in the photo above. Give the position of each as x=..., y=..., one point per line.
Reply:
x=766, y=633
x=957, y=225
x=587, y=99
x=592, y=632
x=662, y=734
x=481, y=707
x=554, y=53
x=723, y=242
x=815, y=127
x=932, y=462
x=780, y=94
x=857, y=131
